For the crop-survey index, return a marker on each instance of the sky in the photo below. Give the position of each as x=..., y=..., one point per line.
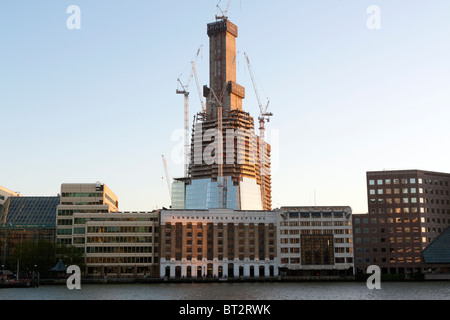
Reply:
x=99, y=103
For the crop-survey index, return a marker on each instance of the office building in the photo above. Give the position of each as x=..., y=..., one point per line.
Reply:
x=408, y=210
x=81, y=198
x=118, y=244
x=26, y=218
x=218, y=243
x=315, y=241
x=229, y=164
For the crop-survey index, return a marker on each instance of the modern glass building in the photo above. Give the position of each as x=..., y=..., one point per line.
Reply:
x=26, y=218
x=203, y=194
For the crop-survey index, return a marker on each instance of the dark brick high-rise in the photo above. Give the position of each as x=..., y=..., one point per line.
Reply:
x=408, y=209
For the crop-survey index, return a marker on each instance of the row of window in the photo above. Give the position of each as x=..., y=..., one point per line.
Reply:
x=133, y=249
x=389, y=230
x=337, y=260
x=287, y=250
x=390, y=259
x=315, y=214
x=395, y=181
x=391, y=250
x=358, y=221
x=82, y=194
x=120, y=229
x=406, y=200
x=395, y=191
x=409, y=210
x=129, y=239
x=314, y=223
x=70, y=212
x=400, y=230
x=314, y=231
x=380, y=182
x=391, y=240
x=296, y=240
x=121, y=260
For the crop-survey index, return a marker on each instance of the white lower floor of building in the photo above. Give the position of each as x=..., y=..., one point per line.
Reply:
x=218, y=269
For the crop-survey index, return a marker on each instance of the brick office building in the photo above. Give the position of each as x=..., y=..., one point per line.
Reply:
x=408, y=210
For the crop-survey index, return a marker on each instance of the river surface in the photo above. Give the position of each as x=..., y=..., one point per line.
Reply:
x=236, y=291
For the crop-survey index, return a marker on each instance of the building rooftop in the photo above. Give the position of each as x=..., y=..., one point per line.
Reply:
x=29, y=212
x=439, y=250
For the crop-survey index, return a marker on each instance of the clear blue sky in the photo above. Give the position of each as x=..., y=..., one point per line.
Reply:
x=99, y=103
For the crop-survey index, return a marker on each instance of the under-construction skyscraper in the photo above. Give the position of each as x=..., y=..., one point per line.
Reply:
x=229, y=164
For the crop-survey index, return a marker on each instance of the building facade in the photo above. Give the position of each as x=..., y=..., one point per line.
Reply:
x=26, y=218
x=315, y=241
x=218, y=243
x=81, y=198
x=119, y=244
x=408, y=210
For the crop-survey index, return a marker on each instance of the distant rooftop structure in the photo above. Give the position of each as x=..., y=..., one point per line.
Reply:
x=5, y=190
x=29, y=212
x=5, y=194
x=439, y=250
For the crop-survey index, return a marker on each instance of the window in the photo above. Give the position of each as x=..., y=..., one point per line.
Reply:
x=371, y=182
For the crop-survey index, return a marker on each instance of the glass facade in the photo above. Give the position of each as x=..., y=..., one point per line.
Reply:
x=250, y=193
x=26, y=218
x=203, y=194
x=21, y=212
x=178, y=193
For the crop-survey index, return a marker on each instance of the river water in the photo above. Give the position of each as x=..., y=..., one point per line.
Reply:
x=236, y=291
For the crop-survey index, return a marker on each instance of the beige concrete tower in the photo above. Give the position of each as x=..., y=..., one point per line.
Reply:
x=222, y=69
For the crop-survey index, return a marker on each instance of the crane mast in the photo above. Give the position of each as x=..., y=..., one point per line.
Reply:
x=167, y=176
x=221, y=182
x=186, y=128
x=263, y=117
x=185, y=92
x=198, y=87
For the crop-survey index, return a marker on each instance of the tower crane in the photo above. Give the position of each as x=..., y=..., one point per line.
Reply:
x=167, y=176
x=194, y=71
x=263, y=117
x=222, y=184
x=185, y=91
x=224, y=15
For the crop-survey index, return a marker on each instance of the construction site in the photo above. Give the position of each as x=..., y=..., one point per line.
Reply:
x=226, y=164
